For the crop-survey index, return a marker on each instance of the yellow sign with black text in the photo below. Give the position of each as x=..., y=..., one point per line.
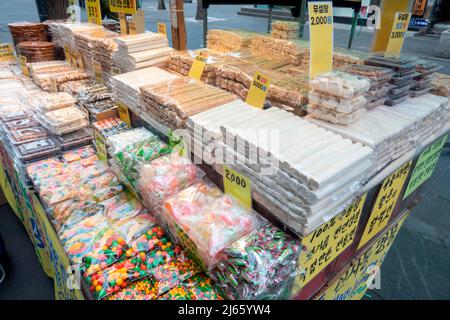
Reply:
x=385, y=203
x=6, y=52
x=94, y=11
x=321, y=37
x=97, y=71
x=162, y=28
x=199, y=65
x=124, y=113
x=125, y=6
x=100, y=145
x=258, y=90
x=23, y=65
x=237, y=186
x=398, y=32
x=328, y=241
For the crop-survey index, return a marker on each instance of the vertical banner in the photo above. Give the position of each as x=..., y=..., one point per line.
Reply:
x=94, y=11
x=385, y=203
x=321, y=37
x=398, y=32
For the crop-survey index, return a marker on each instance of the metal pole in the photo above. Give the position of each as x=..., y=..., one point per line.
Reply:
x=205, y=27
x=302, y=19
x=352, y=31
x=269, y=27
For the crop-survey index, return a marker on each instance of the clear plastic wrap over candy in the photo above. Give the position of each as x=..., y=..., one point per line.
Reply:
x=166, y=176
x=205, y=221
x=260, y=265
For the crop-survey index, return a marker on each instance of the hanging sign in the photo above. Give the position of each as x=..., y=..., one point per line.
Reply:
x=199, y=65
x=398, y=32
x=385, y=203
x=258, y=90
x=94, y=11
x=237, y=186
x=125, y=6
x=425, y=165
x=328, y=241
x=6, y=52
x=321, y=37
x=162, y=28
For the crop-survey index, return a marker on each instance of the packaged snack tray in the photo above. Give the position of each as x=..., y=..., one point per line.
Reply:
x=76, y=138
x=336, y=103
x=20, y=124
x=340, y=84
x=27, y=135
x=36, y=150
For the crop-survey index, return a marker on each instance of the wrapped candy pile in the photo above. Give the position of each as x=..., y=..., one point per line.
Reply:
x=205, y=221
x=337, y=97
x=261, y=265
x=166, y=176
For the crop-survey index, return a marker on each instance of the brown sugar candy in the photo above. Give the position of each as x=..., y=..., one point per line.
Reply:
x=36, y=51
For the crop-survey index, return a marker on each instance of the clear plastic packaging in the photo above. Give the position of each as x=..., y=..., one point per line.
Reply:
x=78, y=154
x=52, y=101
x=134, y=227
x=75, y=139
x=27, y=135
x=257, y=263
x=110, y=126
x=376, y=75
x=399, y=90
x=416, y=93
x=63, y=117
x=340, y=84
x=123, y=139
x=404, y=79
x=13, y=112
x=332, y=116
x=20, y=124
x=397, y=63
x=37, y=150
x=122, y=206
x=378, y=92
x=154, y=239
x=335, y=103
x=206, y=221
x=373, y=104
x=166, y=176
x=392, y=101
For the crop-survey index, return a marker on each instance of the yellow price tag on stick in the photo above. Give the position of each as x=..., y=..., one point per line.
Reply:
x=385, y=203
x=6, y=52
x=127, y=7
x=100, y=144
x=23, y=65
x=398, y=32
x=199, y=65
x=94, y=11
x=67, y=54
x=321, y=37
x=237, y=186
x=53, y=85
x=258, y=90
x=123, y=23
x=124, y=113
x=115, y=71
x=97, y=71
x=162, y=28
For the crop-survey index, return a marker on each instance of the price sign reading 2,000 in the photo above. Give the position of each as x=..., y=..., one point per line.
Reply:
x=315, y=21
x=235, y=179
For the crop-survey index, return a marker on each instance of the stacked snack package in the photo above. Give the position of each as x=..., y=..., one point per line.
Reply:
x=36, y=51
x=379, y=78
x=27, y=31
x=110, y=126
x=96, y=99
x=337, y=97
x=205, y=221
x=285, y=29
x=260, y=265
x=422, y=83
x=405, y=72
x=229, y=40
x=165, y=176
x=121, y=140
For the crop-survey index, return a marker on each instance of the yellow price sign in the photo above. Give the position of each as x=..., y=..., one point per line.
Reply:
x=257, y=93
x=100, y=144
x=385, y=203
x=328, y=241
x=80, y=63
x=68, y=54
x=94, y=11
x=53, y=85
x=123, y=23
x=23, y=65
x=115, y=71
x=199, y=65
x=124, y=113
x=321, y=37
x=97, y=71
x=127, y=6
x=162, y=28
x=6, y=52
x=398, y=32
x=237, y=186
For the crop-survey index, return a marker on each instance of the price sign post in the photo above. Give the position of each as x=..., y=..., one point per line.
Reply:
x=258, y=90
x=6, y=52
x=199, y=65
x=162, y=28
x=321, y=37
x=398, y=32
x=94, y=11
x=124, y=114
x=237, y=186
x=23, y=65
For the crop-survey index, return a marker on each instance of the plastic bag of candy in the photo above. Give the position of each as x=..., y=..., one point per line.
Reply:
x=198, y=287
x=154, y=239
x=134, y=227
x=205, y=221
x=122, y=206
x=258, y=265
x=78, y=154
x=166, y=176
